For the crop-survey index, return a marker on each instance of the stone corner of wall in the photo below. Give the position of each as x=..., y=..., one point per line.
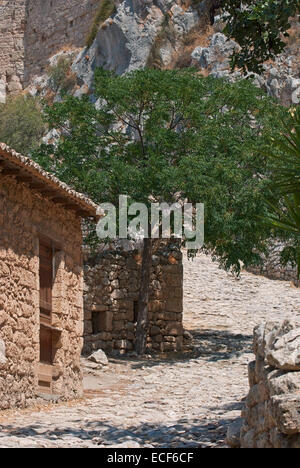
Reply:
x=271, y=416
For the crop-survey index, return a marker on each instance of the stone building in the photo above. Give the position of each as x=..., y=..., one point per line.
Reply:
x=41, y=282
x=31, y=31
x=112, y=281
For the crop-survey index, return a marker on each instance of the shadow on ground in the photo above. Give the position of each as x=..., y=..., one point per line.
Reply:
x=207, y=345
x=213, y=345
x=198, y=433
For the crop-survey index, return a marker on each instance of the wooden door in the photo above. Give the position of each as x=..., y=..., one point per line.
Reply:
x=46, y=286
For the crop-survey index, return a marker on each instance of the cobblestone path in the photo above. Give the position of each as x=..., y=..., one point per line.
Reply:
x=187, y=401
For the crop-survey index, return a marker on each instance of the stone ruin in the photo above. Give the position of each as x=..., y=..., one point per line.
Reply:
x=112, y=281
x=271, y=417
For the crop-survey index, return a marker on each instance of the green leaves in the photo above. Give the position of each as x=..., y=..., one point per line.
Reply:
x=21, y=123
x=285, y=215
x=258, y=27
x=162, y=135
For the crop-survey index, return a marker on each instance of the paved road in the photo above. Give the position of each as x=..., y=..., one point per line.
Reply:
x=183, y=402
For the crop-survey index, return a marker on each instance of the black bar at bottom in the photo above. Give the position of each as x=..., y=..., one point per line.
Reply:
x=141, y=457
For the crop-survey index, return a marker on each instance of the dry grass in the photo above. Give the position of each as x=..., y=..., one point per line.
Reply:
x=197, y=37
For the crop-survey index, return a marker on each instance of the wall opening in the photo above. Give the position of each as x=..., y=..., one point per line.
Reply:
x=98, y=322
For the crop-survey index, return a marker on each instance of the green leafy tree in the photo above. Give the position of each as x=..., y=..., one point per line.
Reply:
x=258, y=26
x=159, y=135
x=22, y=124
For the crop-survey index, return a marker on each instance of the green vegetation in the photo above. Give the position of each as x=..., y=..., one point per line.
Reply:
x=21, y=123
x=284, y=216
x=259, y=27
x=201, y=136
x=61, y=77
x=105, y=10
x=198, y=137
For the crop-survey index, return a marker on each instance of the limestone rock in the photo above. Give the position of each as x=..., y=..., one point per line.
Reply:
x=125, y=40
x=233, y=438
x=280, y=79
x=283, y=346
x=2, y=353
x=280, y=382
x=2, y=91
x=279, y=344
x=216, y=55
x=99, y=357
x=272, y=407
x=286, y=412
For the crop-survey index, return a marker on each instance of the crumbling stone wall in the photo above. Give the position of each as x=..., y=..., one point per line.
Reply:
x=272, y=411
x=24, y=216
x=272, y=267
x=31, y=31
x=112, y=281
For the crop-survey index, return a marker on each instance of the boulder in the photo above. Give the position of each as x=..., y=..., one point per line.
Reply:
x=99, y=357
x=279, y=344
x=286, y=413
x=281, y=382
x=282, y=346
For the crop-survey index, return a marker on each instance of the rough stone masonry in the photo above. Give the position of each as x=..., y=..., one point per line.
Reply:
x=112, y=281
x=31, y=31
x=41, y=283
x=271, y=418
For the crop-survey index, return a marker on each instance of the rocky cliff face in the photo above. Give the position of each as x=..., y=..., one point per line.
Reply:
x=126, y=40
x=173, y=34
x=281, y=78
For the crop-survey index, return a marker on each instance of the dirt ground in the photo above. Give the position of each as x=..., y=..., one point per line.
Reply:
x=181, y=401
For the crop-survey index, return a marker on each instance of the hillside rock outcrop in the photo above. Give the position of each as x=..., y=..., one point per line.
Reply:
x=125, y=40
x=280, y=79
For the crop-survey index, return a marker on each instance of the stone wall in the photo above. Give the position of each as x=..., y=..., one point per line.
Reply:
x=12, y=29
x=53, y=24
x=31, y=31
x=272, y=267
x=24, y=217
x=272, y=411
x=112, y=281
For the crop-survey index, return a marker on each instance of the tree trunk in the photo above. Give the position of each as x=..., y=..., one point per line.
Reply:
x=143, y=316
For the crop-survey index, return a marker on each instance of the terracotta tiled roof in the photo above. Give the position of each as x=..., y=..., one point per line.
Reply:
x=25, y=170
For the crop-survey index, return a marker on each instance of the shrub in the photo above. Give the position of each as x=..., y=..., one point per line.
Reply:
x=21, y=123
x=61, y=77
